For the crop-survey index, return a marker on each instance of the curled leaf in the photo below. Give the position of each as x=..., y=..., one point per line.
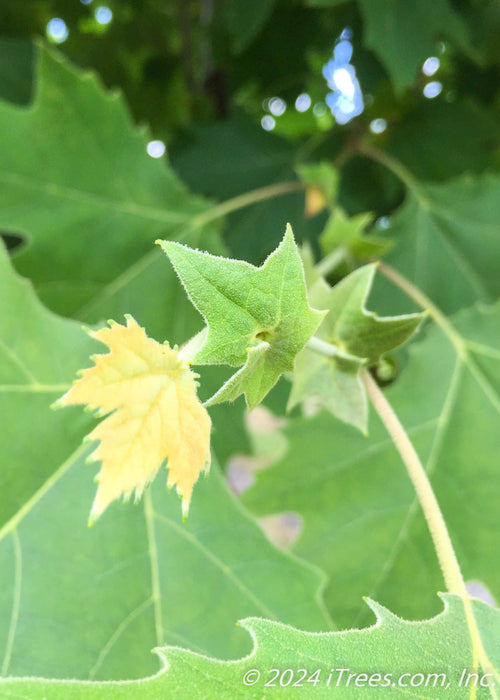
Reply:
x=148, y=395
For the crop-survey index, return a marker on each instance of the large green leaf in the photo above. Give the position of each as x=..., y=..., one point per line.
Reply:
x=425, y=139
x=97, y=201
x=245, y=20
x=403, y=33
x=76, y=601
x=361, y=521
x=428, y=659
x=447, y=241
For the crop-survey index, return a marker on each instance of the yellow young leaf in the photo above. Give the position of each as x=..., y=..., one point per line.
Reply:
x=148, y=395
x=315, y=201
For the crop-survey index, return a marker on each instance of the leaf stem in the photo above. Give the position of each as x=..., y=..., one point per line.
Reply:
x=328, y=264
x=321, y=347
x=442, y=542
x=443, y=545
x=245, y=200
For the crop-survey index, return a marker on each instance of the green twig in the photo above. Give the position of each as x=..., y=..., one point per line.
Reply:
x=245, y=200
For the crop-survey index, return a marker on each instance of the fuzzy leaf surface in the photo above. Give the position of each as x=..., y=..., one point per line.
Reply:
x=392, y=657
x=78, y=602
x=245, y=307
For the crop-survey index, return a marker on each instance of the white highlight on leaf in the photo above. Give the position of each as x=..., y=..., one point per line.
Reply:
x=277, y=106
x=156, y=149
x=378, y=126
x=432, y=89
x=268, y=123
x=303, y=102
x=431, y=65
x=103, y=14
x=57, y=30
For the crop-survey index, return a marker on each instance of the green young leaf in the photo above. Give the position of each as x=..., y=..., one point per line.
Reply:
x=404, y=34
x=360, y=336
x=97, y=201
x=348, y=234
x=361, y=521
x=430, y=659
x=333, y=383
x=256, y=316
x=360, y=332
x=78, y=602
x=447, y=242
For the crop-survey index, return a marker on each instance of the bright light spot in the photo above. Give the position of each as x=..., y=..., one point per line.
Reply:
x=433, y=89
x=57, y=30
x=156, y=149
x=346, y=100
x=268, y=123
x=277, y=106
x=103, y=15
x=378, y=126
x=85, y=2
x=431, y=65
x=319, y=109
x=303, y=102
x=383, y=222
x=343, y=82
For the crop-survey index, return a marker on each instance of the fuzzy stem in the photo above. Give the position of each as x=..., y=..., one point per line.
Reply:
x=443, y=545
x=440, y=536
x=442, y=542
x=331, y=261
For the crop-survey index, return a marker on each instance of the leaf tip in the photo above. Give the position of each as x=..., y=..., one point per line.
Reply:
x=58, y=403
x=93, y=518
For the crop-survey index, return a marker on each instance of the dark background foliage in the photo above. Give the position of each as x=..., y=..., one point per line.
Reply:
x=201, y=75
